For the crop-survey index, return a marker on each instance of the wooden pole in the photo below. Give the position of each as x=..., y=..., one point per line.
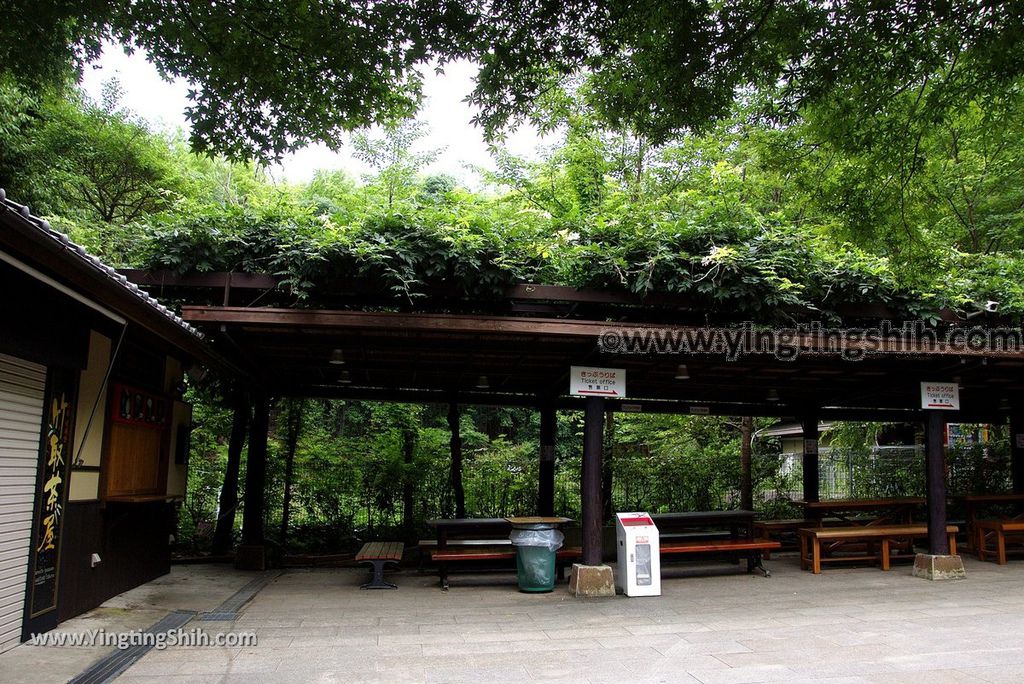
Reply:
x=456, y=450
x=546, y=470
x=1017, y=451
x=810, y=457
x=935, y=481
x=223, y=535
x=593, y=447
x=256, y=473
x=295, y=410
x=746, y=478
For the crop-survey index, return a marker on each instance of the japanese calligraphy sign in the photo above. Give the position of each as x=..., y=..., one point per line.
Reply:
x=55, y=460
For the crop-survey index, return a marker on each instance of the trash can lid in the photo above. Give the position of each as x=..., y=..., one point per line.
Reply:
x=538, y=520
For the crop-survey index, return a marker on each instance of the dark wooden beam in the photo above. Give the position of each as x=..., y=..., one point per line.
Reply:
x=935, y=482
x=590, y=489
x=408, y=323
x=216, y=280
x=256, y=473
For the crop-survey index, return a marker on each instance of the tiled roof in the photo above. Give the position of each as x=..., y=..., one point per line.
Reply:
x=77, y=252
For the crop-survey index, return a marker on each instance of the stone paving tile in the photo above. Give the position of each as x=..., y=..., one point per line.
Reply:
x=743, y=675
x=950, y=676
x=172, y=679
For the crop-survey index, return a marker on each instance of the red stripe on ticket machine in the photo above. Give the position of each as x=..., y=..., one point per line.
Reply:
x=637, y=521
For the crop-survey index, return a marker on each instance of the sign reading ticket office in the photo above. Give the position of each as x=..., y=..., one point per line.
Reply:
x=587, y=381
x=943, y=396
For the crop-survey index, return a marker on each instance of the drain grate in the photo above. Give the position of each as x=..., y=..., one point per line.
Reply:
x=229, y=609
x=108, y=667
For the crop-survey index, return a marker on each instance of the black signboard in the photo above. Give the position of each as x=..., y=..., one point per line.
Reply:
x=55, y=454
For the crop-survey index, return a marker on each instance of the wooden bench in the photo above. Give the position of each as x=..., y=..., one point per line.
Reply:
x=997, y=530
x=379, y=554
x=772, y=529
x=477, y=555
x=811, y=540
x=751, y=549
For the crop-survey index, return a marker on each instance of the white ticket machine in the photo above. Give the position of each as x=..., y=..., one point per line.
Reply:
x=639, y=570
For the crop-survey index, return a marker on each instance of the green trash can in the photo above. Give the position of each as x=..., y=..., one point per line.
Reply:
x=536, y=546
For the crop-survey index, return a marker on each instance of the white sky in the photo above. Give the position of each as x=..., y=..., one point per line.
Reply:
x=445, y=112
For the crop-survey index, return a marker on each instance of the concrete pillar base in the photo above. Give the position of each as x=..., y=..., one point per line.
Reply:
x=591, y=580
x=932, y=567
x=251, y=557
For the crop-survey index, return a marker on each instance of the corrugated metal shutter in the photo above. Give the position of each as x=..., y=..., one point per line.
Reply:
x=22, y=388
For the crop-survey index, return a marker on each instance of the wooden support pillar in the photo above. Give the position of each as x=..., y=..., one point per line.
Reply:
x=593, y=448
x=935, y=482
x=546, y=470
x=251, y=554
x=810, y=457
x=1017, y=450
x=223, y=534
x=455, y=445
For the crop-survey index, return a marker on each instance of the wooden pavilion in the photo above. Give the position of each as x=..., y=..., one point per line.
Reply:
x=518, y=350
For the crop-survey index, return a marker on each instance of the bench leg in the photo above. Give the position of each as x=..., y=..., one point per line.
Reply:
x=442, y=571
x=1000, y=547
x=816, y=561
x=754, y=561
x=377, y=582
x=803, y=552
x=885, y=554
x=952, y=543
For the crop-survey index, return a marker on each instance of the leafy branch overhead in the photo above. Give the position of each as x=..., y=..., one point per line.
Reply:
x=273, y=77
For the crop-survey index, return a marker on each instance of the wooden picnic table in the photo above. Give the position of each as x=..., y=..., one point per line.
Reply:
x=975, y=506
x=739, y=523
x=695, y=533
x=899, y=510
x=468, y=527
x=476, y=540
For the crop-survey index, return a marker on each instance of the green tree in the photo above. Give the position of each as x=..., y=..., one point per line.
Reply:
x=393, y=156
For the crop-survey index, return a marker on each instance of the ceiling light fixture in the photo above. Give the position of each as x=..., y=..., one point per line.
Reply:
x=682, y=372
x=481, y=382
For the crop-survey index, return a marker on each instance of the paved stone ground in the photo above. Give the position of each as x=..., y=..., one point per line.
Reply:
x=194, y=587
x=845, y=625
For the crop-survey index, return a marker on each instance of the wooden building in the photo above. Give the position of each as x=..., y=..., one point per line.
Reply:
x=93, y=431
